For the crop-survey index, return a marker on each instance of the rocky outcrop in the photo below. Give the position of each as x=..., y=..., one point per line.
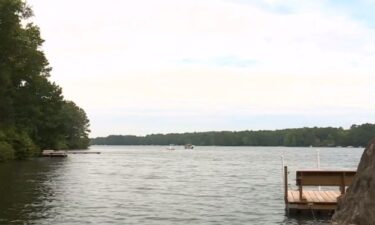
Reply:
x=357, y=207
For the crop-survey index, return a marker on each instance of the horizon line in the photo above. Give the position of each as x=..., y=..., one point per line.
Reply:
x=217, y=131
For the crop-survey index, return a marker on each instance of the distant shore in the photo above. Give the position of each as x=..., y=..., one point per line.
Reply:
x=355, y=136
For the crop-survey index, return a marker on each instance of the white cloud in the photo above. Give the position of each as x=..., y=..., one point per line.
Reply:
x=126, y=55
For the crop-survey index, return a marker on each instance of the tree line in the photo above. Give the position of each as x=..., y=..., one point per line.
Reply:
x=33, y=112
x=356, y=136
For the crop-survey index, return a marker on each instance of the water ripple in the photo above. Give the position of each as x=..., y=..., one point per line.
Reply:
x=148, y=185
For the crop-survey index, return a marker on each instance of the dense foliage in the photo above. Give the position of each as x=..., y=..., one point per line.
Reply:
x=33, y=112
x=357, y=135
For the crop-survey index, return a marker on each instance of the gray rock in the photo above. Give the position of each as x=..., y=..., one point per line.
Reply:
x=357, y=207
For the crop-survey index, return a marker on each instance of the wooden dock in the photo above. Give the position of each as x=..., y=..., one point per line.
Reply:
x=63, y=153
x=54, y=153
x=82, y=152
x=316, y=200
x=325, y=201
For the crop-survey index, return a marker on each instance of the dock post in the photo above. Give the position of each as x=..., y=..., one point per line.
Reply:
x=286, y=184
x=342, y=186
x=282, y=168
x=318, y=162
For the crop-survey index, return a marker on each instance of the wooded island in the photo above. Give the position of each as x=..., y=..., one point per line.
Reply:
x=356, y=136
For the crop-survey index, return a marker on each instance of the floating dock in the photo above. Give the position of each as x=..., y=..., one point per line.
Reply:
x=61, y=153
x=54, y=153
x=83, y=152
x=325, y=201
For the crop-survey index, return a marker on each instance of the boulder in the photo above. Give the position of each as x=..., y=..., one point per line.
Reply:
x=357, y=206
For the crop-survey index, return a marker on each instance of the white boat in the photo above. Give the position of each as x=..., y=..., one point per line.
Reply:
x=170, y=147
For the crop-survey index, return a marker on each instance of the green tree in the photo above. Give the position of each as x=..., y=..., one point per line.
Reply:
x=76, y=126
x=33, y=112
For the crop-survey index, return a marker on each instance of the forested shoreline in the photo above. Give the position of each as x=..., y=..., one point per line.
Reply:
x=356, y=136
x=33, y=112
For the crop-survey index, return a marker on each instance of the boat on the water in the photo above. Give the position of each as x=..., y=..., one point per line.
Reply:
x=189, y=146
x=171, y=147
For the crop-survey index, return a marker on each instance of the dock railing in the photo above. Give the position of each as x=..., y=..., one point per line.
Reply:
x=340, y=178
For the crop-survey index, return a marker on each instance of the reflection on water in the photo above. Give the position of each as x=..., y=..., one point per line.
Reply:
x=23, y=193
x=149, y=185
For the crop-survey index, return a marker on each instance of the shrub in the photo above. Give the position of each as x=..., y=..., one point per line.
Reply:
x=6, y=151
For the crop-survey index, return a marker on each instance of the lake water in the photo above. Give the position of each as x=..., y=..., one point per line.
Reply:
x=151, y=185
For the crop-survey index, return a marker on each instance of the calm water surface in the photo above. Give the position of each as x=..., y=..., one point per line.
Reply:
x=151, y=185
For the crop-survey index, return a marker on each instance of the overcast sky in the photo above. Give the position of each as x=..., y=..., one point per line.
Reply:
x=159, y=66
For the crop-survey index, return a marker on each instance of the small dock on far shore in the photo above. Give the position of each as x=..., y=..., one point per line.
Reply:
x=63, y=153
x=82, y=152
x=325, y=201
x=54, y=153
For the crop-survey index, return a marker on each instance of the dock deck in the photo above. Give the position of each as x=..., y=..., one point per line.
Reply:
x=317, y=200
x=314, y=196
